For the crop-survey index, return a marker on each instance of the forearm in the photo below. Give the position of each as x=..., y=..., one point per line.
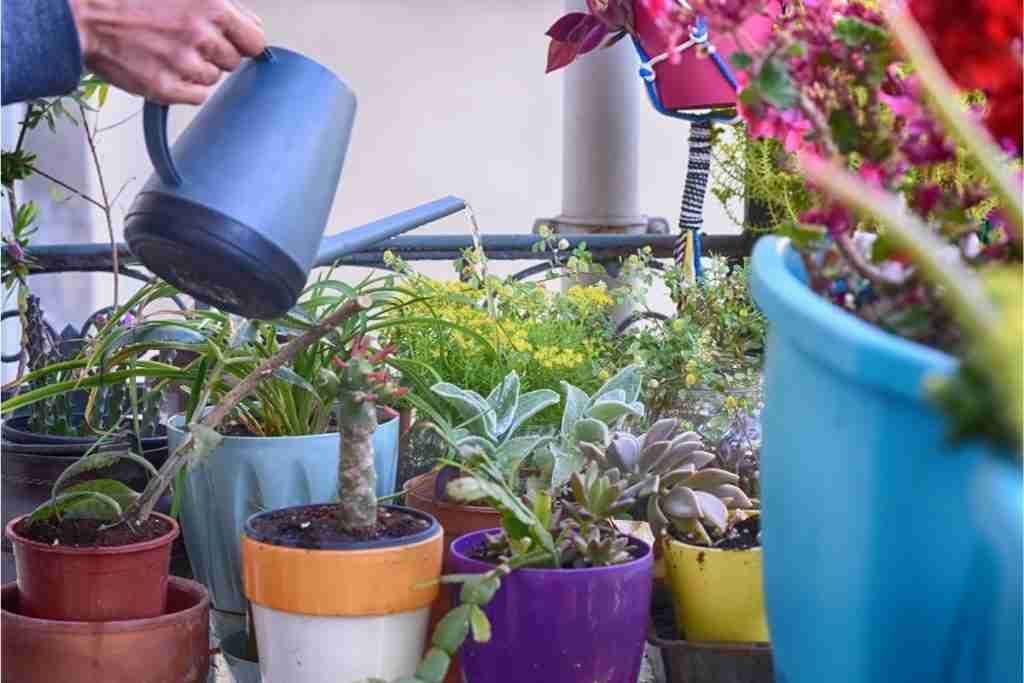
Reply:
x=41, y=54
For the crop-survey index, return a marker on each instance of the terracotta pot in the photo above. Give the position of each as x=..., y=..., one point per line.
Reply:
x=92, y=584
x=170, y=648
x=28, y=472
x=456, y=520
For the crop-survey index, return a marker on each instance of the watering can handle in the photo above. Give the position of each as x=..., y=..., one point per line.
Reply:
x=154, y=125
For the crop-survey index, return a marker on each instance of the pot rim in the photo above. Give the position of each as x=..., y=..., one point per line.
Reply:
x=707, y=548
x=14, y=426
x=174, y=420
x=646, y=558
x=166, y=539
x=848, y=345
x=86, y=628
x=415, y=485
x=377, y=544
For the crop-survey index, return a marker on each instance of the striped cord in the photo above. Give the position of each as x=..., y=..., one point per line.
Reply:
x=691, y=213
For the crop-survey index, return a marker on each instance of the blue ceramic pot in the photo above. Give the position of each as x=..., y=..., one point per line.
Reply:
x=246, y=475
x=890, y=554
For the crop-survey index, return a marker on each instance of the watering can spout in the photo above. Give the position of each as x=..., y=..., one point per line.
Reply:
x=334, y=247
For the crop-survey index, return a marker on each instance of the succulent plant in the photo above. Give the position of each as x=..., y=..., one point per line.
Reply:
x=491, y=425
x=669, y=470
x=591, y=419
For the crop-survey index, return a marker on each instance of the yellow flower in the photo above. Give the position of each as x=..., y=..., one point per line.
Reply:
x=604, y=375
x=691, y=379
x=731, y=402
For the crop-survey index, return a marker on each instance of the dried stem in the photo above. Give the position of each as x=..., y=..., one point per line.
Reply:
x=185, y=452
x=107, y=208
x=56, y=181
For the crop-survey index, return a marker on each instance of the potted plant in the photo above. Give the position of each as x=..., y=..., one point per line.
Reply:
x=337, y=589
x=707, y=526
x=575, y=608
x=874, y=310
x=118, y=517
x=280, y=445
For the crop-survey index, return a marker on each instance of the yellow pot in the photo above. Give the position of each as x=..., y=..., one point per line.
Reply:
x=717, y=594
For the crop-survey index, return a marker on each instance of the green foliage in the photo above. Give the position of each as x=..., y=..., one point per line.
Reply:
x=473, y=334
x=492, y=426
x=590, y=418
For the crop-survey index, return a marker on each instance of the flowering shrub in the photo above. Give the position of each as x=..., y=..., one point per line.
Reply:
x=495, y=326
x=891, y=228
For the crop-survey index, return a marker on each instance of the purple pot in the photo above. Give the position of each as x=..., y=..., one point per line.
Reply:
x=560, y=625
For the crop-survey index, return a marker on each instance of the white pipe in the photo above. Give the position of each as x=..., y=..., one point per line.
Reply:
x=600, y=156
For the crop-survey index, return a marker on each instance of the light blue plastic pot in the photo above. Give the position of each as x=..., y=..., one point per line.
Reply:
x=889, y=553
x=246, y=475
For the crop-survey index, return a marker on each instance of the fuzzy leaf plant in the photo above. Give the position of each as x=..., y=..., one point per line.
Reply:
x=665, y=470
x=591, y=419
x=492, y=426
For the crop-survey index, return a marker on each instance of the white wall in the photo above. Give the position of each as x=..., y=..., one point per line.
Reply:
x=453, y=99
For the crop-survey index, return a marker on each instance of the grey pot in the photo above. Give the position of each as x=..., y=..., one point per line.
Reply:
x=245, y=475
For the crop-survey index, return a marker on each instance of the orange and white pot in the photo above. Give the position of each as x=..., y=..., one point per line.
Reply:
x=344, y=613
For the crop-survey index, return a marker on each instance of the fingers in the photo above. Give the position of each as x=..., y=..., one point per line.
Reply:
x=244, y=32
x=197, y=68
x=219, y=51
x=177, y=91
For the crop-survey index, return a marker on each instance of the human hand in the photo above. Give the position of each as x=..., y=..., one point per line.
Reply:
x=171, y=51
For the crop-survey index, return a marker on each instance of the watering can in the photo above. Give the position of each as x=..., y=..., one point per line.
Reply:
x=234, y=214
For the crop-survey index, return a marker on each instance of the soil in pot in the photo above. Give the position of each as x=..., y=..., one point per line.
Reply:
x=317, y=527
x=90, y=533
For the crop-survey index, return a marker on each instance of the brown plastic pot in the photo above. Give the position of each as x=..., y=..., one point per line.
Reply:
x=171, y=648
x=456, y=520
x=92, y=584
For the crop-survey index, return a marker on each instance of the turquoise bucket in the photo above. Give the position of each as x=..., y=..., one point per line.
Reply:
x=246, y=475
x=890, y=554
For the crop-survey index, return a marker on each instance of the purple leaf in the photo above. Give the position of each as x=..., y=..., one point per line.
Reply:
x=562, y=29
x=561, y=54
x=593, y=38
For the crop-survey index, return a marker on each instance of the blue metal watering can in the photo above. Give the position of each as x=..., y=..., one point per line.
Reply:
x=235, y=214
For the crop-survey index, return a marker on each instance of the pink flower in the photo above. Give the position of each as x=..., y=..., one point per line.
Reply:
x=873, y=174
x=901, y=105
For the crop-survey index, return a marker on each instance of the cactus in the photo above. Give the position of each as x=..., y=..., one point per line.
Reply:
x=668, y=469
x=590, y=419
x=360, y=385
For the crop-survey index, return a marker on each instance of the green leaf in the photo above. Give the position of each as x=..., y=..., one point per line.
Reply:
x=472, y=407
x=71, y=499
x=481, y=626
x=845, y=130
x=97, y=461
x=511, y=454
x=434, y=666
x=480, y=591
x=628, y=379
x=802, y=235
x=289, y=376
x=591, y=430
x=104, y=90
x=775, y=86
x=856, y=32
x=504, y=400
x=576, y=402
x=451, y=631
x=611, y=411
x=741, y=60
x=530, y=404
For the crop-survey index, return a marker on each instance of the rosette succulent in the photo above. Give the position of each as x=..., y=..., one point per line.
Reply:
x=668, y=470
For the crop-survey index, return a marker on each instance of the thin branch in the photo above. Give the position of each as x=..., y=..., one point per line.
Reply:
x=106, y=200
x=144, y=506
x=55, y=181
x=123, y=121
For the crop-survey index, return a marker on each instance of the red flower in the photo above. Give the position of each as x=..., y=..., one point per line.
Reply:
x=979, y=44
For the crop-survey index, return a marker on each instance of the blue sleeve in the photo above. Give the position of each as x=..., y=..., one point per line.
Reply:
x=41, y=56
